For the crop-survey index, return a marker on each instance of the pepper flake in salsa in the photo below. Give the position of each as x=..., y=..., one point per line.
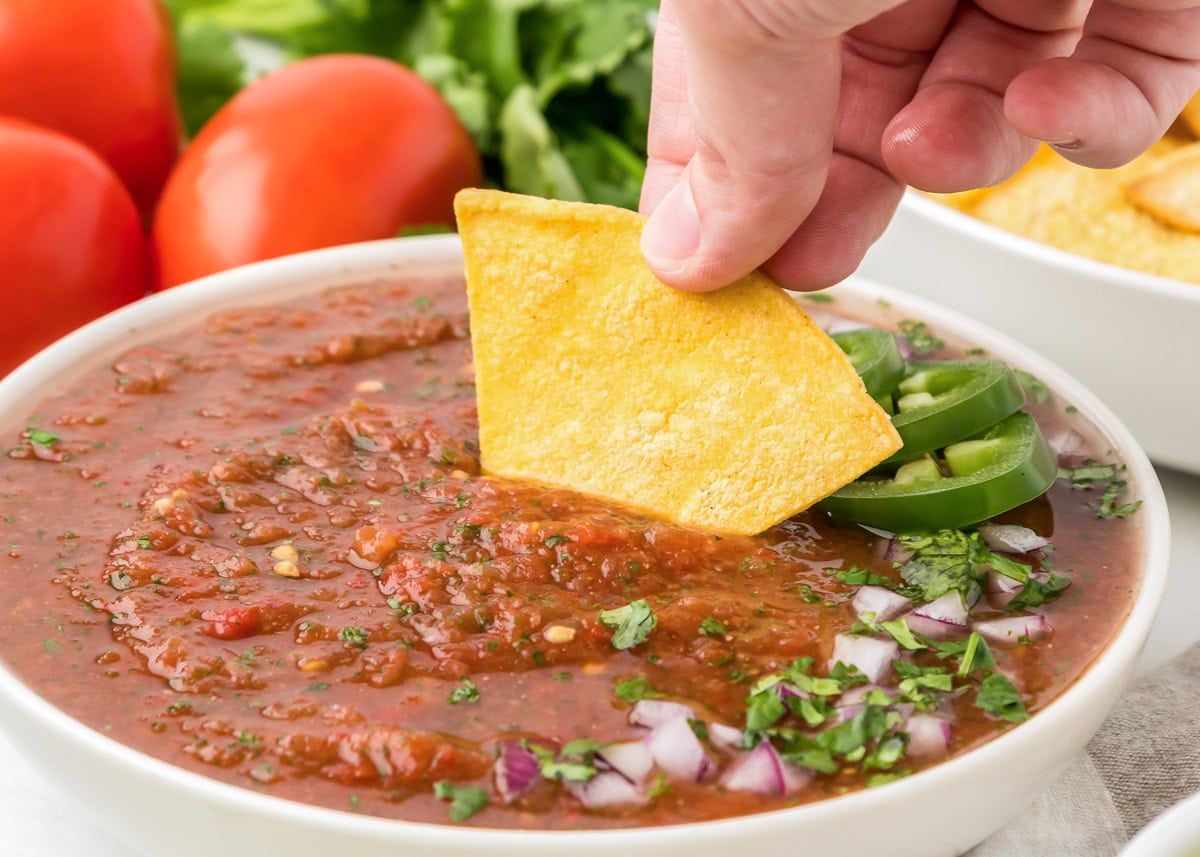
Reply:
x=262, y=550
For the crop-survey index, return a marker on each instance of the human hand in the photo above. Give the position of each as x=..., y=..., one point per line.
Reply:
x=783, y=132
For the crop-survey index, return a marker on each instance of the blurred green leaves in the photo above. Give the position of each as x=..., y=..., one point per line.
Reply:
x=556, y=93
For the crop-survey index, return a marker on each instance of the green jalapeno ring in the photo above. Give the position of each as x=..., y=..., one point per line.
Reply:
x=939, y=402
x=876, y=358
x=997, y=470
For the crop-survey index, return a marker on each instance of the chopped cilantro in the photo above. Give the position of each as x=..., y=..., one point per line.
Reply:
x=1035, y=593
x=632, y=623
x=886, y=753
x=945, y=561
x=42, y=438
x=354, y=636
x=562, y=676
x=976, y=656
x=467, y=692
x=902, y=634
x=659, y=787
x=919, y=336
x=639, y=687
x=882, y=779
x=575, y=763
x=144, y=543
x=855, y=576
x=710, y=626
x=556, y=540
x=1108, y=508
x=998, y=697
x=1010, y=568
x=1088, y=473
x=465, y=801
x=318, y=685
x=764, y=709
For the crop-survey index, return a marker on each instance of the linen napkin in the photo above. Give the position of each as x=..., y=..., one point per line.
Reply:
x=1145, y=758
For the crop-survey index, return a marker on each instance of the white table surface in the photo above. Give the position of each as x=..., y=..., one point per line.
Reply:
x=36, y=822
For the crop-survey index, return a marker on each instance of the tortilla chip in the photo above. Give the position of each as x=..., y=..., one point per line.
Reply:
x=1191, y=114
x=728, y=411
x=1170, y=190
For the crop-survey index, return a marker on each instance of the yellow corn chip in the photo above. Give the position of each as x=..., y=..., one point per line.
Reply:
x=728, y=411
x=1170, y=189
x=1191, y=114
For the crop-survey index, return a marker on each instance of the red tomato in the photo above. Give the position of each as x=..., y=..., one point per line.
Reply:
x=102, y=71
x=325, y=151
x=232, y=623
x=71, y=242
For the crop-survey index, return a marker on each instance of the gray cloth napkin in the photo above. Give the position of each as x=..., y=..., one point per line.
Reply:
x=1145, y=758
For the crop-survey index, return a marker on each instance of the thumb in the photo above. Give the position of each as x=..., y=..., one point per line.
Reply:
x=762, y=83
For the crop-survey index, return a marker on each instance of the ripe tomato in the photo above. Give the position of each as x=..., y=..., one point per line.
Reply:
x=71, y=242
x=325, y=151
x=102, y=72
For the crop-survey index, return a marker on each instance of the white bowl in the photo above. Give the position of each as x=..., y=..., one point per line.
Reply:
x=167, y=811
x=1129, y=337
x=1175, y=833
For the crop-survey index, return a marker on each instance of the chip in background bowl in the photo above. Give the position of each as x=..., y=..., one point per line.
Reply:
x=729, y=411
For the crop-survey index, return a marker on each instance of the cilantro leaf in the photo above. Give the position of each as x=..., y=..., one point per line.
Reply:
x=1036, y=593
x=42, y=438
x=1108, y=508
x=711, y=627
x=1034, y=386
x=764, y=709
x=1088, y=473
x=919, y=336
x=639, y=687
x=632, y=623
x=976, y=656
x=855, y=576
x=998, y=697
x=945, y=561
x=465, y=801
x=468, y=692
x=902, y=634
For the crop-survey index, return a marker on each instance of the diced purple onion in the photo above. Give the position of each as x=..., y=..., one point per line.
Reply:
x=905, y=348
x=724, y=737
x=897, y=552
x=763, y=772
x=998, y=582
x=678, y=751
x=516, y=770
x=785, y=690
x=927, y=735
x=873, y=658
x=939, y=619
x=856, y=694
x=842, y=713
x=1009, y=629
x=607, y=788
x=1065, y=442
x=884, y=603
x=654, y=712
x=1012, y=538
x=632, y=760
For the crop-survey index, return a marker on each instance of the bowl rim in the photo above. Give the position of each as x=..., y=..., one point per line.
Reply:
x=1175, y=833
x=917, y=203
x=261, y=283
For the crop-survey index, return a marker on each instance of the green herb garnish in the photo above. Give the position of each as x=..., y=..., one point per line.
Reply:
x=632, y=623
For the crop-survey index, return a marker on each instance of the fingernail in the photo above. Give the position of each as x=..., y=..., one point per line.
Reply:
x=1067, y=145
x=672, y=235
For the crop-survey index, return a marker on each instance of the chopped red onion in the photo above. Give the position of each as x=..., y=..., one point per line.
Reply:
x=785, y=690
x=842, y=713
x=1012, y=538
x=516, y=770
x=873, y=658
x=678, y=751
x=724, y=737
x=607, y=788
x=653, y=712
x=927, y=735
x=763, y=772
x=884, y=603
x=858, y=693
x=1065, y=442
x=632, y=760
x=1008, y=630
x=906, y=349
x=998, y=582
x=941, y=618
x=896, y=552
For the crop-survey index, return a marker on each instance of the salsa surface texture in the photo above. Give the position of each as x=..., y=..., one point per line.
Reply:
x=263, y=551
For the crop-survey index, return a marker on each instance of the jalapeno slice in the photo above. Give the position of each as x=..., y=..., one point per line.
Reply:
x=875, y=357
x=997, y=470
x=941, y=401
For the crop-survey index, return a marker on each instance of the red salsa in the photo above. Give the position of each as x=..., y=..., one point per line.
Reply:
x=263, y=551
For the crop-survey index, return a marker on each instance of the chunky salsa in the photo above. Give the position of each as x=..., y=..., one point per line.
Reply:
x=263, y=550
